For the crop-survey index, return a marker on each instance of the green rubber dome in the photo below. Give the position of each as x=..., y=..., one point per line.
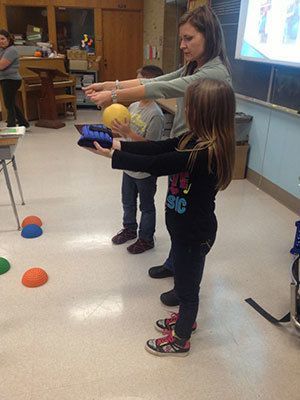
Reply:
x=4, y=265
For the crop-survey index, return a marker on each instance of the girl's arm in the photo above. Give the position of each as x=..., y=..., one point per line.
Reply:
x=158, y=165
x=140, y=148
x=148, y=147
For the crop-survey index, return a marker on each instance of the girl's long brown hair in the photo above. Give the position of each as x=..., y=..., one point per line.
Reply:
x=210, y=110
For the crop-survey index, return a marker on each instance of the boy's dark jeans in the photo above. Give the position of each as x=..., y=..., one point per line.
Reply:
x=145, y=189
x=188, y=261
x=9, y=91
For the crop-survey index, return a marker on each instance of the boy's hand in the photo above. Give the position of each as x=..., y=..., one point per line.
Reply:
x=120, y=128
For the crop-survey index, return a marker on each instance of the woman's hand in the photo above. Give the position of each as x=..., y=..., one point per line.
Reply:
x=102, y=99
x=99, y=87
x=94, y=87
x=122, y=129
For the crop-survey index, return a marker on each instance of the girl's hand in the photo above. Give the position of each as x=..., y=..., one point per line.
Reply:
x=102, y=99
x=116, y=145
x=101, y=151
x=120, y=128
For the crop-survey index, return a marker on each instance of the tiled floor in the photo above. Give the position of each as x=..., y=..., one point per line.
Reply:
x=82, y=335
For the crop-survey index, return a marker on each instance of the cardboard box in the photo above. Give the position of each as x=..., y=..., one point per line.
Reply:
x=241, y=155
x=80, y=65
x=77, y=55
x=93, y=65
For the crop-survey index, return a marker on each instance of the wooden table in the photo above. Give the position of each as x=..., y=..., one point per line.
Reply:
x=8, y=142
x=47, y=106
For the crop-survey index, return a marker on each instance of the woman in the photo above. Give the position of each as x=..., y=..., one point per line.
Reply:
x=10, y=79
x=202, y=42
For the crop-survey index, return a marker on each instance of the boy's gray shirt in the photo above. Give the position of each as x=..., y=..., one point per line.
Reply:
x=175, y=85
x=12, y=71
x=148, y=122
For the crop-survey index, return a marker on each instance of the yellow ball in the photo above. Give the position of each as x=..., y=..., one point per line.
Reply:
x=115, y=111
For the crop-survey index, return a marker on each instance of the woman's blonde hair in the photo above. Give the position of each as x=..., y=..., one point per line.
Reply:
x=210, y=110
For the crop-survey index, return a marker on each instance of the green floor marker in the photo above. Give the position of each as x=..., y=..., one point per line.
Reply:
x=4, y=265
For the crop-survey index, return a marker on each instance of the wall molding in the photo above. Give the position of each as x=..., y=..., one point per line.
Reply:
x=279, y=194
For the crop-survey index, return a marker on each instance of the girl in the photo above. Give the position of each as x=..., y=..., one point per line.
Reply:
x=202, y=44
x=200, y=162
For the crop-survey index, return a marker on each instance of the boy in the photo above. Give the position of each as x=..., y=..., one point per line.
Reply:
x=147, y=123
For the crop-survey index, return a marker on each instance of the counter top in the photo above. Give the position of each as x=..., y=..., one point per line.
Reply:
x=167, y=104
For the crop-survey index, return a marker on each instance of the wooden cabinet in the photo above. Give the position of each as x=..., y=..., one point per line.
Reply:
x=84, y=78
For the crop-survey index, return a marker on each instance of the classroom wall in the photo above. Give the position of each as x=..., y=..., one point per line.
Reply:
x=274, y=146
x=154, y=12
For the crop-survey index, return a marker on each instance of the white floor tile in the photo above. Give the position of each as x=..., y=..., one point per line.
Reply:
x=81, y=336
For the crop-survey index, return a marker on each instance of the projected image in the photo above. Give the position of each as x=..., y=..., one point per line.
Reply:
x=264, y=11
x=291, y=28
x=269, y=31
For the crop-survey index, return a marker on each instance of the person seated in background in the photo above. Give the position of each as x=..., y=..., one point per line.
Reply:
x=146, y=123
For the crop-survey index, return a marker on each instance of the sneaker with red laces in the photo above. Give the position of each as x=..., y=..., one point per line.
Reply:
x=123, y=236
x=140, y=246
x=169, y=345
x=168, y=324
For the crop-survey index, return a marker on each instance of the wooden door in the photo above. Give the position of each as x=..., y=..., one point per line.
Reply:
x=122, y=37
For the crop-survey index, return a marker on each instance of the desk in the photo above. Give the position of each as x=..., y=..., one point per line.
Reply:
x=167, y=104
x=8, y=142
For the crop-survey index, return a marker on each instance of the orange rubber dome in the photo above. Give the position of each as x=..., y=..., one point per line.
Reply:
x=32, y=220
x=34, y=277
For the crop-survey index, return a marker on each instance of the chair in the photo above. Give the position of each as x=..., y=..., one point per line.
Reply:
x=66, y=99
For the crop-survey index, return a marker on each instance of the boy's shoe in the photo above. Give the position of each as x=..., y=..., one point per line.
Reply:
x=160, y=272
x=169, y=298
x=168, y=324
x=123, y=236
x=140, y=246
x=169, y=345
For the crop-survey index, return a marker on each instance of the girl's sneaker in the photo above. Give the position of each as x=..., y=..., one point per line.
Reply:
x=169, y=345
x=168, y=324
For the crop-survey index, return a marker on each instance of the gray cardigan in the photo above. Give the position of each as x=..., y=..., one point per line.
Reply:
x=175, y=84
